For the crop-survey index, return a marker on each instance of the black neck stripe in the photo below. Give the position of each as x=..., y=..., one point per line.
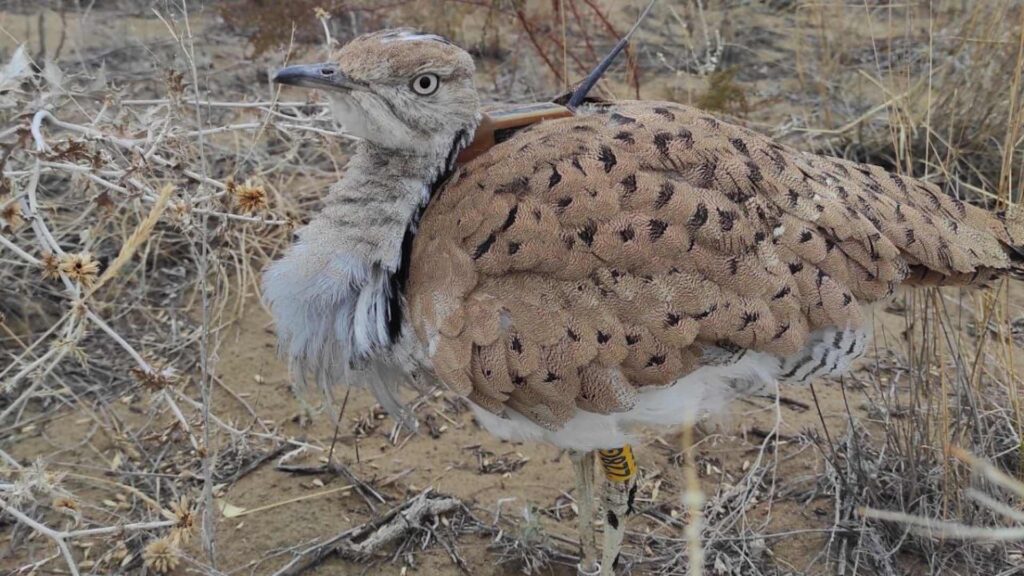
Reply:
x=398, y=280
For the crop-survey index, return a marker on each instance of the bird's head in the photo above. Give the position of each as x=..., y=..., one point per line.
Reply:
x=397, y=89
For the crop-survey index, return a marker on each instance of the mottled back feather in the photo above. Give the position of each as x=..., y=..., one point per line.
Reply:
x=590, y=257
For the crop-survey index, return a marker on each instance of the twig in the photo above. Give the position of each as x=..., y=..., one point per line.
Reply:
x=57, y=537
x=374, y=535
x=264, y=508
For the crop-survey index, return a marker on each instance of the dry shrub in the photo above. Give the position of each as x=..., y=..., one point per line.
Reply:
x=724, y=94
x=274, y=25
x=945, y=381
x=942, y=99
x=953, y=93
x=84, y=191
x=123, y=255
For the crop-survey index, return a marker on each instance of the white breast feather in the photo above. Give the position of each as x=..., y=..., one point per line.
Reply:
x=329, y=309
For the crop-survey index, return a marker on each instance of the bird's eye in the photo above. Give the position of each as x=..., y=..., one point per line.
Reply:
x=425, y=84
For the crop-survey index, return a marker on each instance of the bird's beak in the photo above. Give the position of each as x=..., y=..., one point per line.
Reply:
x=327, y=76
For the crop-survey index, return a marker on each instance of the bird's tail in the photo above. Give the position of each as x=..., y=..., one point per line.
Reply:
x=1005, y=228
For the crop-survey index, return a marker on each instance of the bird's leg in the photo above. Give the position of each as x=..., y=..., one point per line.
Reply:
x=583, y=466
x=619, y=491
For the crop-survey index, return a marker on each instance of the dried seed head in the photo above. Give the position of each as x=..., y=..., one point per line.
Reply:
x=175, y=84
x=321, y=13
x=81, y=268
x=185, y=516
x=67, y=505
x=46, y=482
x=62, y=503
x=160, y=556
x=10, y=216
x=36, y=484
x=51, y=266
x=250, y=197
x=181, y=211
x=105, y=201
x=155, y=378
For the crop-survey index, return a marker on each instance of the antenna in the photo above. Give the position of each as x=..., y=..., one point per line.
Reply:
x=581, y=91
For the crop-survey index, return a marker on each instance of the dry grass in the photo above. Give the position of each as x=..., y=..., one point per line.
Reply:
x=951, y=96
x=147, y=180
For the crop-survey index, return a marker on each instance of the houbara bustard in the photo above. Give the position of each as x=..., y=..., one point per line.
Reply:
x=628, y=264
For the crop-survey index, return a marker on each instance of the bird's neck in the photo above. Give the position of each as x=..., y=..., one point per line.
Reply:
x=381, y=197
x=337, y=295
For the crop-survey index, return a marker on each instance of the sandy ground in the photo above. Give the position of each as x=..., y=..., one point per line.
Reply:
x=254, y=393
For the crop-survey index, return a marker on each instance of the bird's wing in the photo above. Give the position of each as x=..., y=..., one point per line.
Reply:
x=622, y=248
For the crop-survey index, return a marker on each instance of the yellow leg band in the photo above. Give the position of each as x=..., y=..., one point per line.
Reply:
x=618, y=463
